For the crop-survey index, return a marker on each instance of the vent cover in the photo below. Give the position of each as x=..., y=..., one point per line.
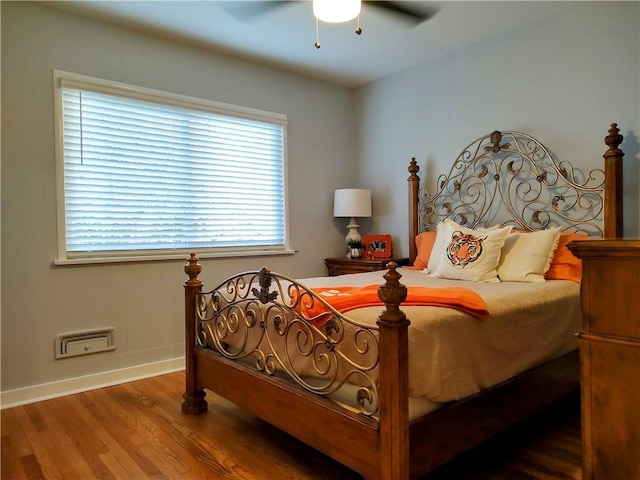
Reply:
x=84, y=343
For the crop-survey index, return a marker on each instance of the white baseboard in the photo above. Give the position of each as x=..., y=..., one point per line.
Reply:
x=45, y=391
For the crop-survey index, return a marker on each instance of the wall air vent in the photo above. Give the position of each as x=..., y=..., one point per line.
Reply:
x=84, y=343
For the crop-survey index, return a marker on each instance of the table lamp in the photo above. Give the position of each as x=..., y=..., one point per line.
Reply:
x=352, y=203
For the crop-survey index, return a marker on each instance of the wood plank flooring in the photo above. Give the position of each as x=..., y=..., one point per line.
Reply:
x=136, y=430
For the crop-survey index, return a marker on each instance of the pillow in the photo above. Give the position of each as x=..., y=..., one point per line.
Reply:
x=424, y=243
x=436, y=251
x=564, y=265
x=441, y=243
x=526, y=257
x=471, y=254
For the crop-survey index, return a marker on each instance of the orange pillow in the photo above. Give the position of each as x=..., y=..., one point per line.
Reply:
x=566, y=266
x=424, y=243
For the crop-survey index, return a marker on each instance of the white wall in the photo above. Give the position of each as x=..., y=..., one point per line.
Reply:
x=563, y=80
x=142, y=301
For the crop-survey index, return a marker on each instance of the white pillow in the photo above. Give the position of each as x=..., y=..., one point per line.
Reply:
x=438, y=245
x=471, y=254
x=526, y=257
x=441, y=242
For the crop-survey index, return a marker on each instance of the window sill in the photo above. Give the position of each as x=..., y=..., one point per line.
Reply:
x=167, y=257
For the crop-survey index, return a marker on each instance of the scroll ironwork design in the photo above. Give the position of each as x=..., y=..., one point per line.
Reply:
x=512, y=179
x=262, y=318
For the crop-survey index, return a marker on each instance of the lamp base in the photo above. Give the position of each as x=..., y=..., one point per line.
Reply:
x=354, y=234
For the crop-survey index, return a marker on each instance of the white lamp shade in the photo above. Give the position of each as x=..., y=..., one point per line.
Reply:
x=352, y=202
x=336, y=11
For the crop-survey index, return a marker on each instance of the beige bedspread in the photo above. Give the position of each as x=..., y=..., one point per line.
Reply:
x=453, y=355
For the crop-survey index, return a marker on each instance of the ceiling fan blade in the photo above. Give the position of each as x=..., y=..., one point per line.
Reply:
x=407, y=11
x=250, y=10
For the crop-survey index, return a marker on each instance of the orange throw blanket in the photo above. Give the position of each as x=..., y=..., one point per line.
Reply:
x=344, y=299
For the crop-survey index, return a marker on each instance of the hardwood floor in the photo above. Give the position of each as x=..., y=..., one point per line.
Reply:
x=136, y=430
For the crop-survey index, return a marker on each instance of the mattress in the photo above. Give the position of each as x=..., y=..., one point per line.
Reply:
x=453, y=355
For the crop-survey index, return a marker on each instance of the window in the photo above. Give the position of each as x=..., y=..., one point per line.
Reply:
x=147, y=174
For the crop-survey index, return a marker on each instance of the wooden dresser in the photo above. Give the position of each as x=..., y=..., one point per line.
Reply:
x=610, y=358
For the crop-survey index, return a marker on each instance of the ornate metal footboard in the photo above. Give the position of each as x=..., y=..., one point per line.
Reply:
x=281, y=328
x=258, y=341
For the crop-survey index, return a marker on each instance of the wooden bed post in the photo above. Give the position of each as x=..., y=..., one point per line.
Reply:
x=613, y=218
x=414, y=185
x=394, y=379
x=194, y=401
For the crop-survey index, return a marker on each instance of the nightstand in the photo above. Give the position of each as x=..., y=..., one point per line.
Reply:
x=342, y=265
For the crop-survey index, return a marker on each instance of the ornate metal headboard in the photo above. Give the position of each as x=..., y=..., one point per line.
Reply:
x=511, y=178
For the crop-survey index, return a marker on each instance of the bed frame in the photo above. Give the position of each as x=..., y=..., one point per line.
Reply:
x=378, y=440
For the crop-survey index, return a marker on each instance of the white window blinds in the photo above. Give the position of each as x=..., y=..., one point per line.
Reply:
x=142, y=176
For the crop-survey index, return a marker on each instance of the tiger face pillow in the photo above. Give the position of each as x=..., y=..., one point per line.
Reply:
x=441, y=243
x=470, y=254
x=464, y=248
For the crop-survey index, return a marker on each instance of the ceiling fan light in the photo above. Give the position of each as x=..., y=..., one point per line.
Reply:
x=336, y=11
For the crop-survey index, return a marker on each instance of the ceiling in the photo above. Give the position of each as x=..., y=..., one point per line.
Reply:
x=284, y=36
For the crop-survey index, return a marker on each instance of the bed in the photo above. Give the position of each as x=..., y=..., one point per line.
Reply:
x=358, y=380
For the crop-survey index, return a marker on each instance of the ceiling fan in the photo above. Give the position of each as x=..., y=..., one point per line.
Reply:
x=403, y=10
x=406, y=11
